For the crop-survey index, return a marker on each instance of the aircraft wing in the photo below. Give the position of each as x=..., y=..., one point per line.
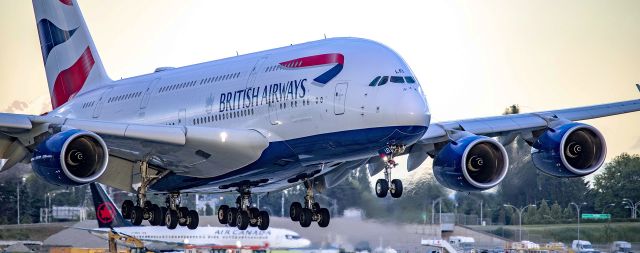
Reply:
x=507, y=127
x=176, y=148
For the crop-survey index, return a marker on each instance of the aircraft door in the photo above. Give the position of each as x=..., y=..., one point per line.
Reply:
x=182, y=117
x=340, y=98
x=147, y=93
x=101, y=101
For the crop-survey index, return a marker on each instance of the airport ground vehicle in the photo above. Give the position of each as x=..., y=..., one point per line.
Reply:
x=582, y=246
x=620, y=247
x=463, y=243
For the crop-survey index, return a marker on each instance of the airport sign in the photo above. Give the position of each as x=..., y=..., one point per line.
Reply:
x=596, y=216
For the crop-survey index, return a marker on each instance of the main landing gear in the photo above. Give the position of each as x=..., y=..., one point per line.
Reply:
x=170, y=215
x=382, y=185
x=311, y=211
x=243, y=215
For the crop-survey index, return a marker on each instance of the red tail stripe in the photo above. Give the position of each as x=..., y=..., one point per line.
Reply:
x=314, y=60
x=67, y=2
x=71, y=80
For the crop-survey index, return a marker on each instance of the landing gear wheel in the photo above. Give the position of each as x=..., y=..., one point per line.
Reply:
x=163, y=212
x=182, y=215
x=136, y=215
x=171, y=219
x=222, y=214
x=382, y=188
x=253, y=216
x=263, y=220
x=243, y=219
x=232, y=216
x=325, y=217
x=306, y=217
x=156, y=215
x=127, y=207
x=192, y=219
x=295, y=210
x=396, y=188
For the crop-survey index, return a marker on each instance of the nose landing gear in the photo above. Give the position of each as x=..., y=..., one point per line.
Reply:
x=382, y=185
x=311, y=211
x=243, y=215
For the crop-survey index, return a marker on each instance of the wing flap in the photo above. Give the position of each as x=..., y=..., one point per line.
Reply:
x=14, y=122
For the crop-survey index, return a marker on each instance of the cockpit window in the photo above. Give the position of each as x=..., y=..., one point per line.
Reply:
x=383, y=81
x=410, y=79
x=375, y=81
x=397, y=79
x=292, y=237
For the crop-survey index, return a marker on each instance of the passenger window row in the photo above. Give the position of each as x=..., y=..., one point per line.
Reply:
x=304, y=102
x=222, y=116
x=124, y=97
x=207, y=80
x=220, y=78
x=272, y=68
x=382, y=80
x=88, y=104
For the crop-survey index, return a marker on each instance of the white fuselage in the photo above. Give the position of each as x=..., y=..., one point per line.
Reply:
x=255, y=91
x=273, y=238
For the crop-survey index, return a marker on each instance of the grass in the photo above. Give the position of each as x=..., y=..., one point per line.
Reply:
x=598, y=233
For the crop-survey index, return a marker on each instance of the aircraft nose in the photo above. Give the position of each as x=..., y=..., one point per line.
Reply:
x=412, y=109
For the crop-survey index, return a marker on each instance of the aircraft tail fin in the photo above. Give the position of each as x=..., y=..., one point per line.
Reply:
x=107, y=214
x=71, y=61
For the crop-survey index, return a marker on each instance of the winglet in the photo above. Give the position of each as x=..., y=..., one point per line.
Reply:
x=638, y=86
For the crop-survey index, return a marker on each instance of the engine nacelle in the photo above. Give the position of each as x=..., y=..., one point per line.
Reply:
x=569, y=150
x=471, y=163
x=70, y=158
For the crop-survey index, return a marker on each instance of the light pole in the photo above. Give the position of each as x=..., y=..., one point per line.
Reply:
x=481, y=203
x=632, y=206
x=18, y=193
x=578, y=209
x=519, y=210
x=605, y=207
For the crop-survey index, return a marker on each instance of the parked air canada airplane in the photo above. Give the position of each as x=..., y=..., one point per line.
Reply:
x=110, y=219
x=266, y=121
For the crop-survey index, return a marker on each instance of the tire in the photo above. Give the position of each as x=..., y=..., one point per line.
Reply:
x=325, y=217
x=294, y=211
x=315, y=206
x=182, y=215
x=232, y=217
x=127, y=206
x=396, y=189
x=156, y=215
x=163, y=212
x=263, y=220
x=243, y=220
x=254, y=214
x=136, y=215
x=171, y=219
x=222, y=214
x=305, y=217
x=193, y=219
x=382, y=188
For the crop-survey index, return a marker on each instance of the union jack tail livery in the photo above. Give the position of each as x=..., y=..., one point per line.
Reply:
x=70, y=57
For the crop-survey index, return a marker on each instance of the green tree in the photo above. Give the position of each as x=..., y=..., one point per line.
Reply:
x=544, y=213
x=620, y=179
x=556, y=212
x=568, y=213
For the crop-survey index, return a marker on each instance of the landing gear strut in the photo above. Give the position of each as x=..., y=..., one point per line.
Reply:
x=243, y=215
x=169, y=215
x=382, y=185
x=311, y=211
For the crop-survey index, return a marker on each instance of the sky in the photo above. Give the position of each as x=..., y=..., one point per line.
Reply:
x=473, y=58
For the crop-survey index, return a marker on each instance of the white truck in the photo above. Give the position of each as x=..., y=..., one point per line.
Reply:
x=621, y=247
x=463, y=244
x=581, y=246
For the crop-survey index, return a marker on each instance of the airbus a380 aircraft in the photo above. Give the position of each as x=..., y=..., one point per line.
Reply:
x=307, y=113
x=110, y=219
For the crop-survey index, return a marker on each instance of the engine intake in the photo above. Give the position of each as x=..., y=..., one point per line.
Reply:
x=70, y=158
x=569, y=150
x=471, y=163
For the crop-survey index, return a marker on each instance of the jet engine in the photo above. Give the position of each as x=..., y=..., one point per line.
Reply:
x=70, y=158
x=471, y=163
x=569, y=150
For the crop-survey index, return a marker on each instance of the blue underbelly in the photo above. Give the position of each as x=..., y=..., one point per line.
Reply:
x=283, y=160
